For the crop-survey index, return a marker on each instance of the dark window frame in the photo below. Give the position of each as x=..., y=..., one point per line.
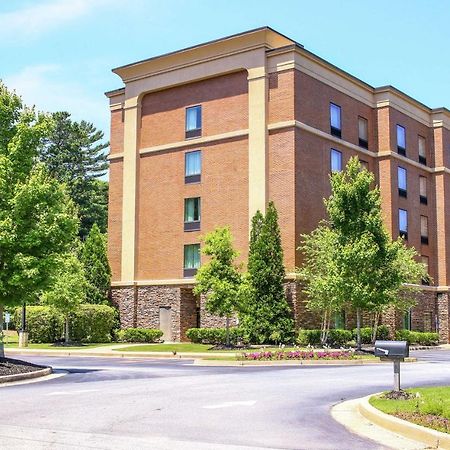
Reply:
x=364, y=143
x=334, y=131
x=401, y=150
x=332, y=150
x=193, y=225
x=194, y=178
x=193, y=132
x=423, y=200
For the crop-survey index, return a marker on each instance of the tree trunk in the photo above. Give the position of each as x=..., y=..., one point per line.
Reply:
x=66, y=331
x=375, y=326
x=228, y=330
x=358, y=329
x=2, y=348
x=325, y=326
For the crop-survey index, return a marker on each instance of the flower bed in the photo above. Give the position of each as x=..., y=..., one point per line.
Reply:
x=300, y=355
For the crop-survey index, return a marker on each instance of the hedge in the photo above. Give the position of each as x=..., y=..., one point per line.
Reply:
x=417, y=337
x=366, y=334
x=336, y=337
x=213, y=336
x=139, y=335
x=90, y=323
x=93, y=323
x=44, y=324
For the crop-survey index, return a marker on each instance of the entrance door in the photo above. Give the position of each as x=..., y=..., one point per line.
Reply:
x=165, y=322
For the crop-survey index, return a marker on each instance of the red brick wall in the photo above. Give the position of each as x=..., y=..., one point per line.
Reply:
x=115, y=218
x=281, y=96
x=224, y=201
x=312, y=106
x=282, y=188
x=116, y=139
x=224, y=103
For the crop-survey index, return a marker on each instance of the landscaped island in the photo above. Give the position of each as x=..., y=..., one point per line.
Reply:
x=429, y=407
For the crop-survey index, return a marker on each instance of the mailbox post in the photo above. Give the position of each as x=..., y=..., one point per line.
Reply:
x=395, y=351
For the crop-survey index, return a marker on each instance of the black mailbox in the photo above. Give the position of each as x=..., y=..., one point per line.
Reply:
x=391, y=349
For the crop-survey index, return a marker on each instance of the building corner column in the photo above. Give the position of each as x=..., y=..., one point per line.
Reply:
x=443, y=316
x=257, y=140
x=130, y=189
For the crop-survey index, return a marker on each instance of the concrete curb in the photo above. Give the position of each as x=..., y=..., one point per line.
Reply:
x=25, y=376
x=431, y=438
x=342, y=362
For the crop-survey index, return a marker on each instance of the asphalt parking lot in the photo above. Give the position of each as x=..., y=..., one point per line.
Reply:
x=137, y=403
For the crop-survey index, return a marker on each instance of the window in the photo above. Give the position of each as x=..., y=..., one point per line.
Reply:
x=422, y=151
x=335, y=120
x=424, y=230
x=336, y=160
x=193, y=121
x=401, y=179
x=193, y=167
x=423, y=190
x=364, y=164
x=401, y=140
x=425, y=261
x=403, y=223
x=191, y=259
x=363, y=132
x=407, y=322
x=192, y=214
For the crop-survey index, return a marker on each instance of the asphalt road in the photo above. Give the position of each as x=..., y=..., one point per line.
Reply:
x=167, y=404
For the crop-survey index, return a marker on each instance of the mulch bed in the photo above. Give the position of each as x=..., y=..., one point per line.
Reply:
x=14, y=366
x=427, y=420
x=398, y=395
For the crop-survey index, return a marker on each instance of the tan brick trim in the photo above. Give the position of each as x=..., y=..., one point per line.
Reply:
x=171, y=282
x=197, y=141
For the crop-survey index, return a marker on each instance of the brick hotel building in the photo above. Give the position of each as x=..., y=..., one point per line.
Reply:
x=206, y=136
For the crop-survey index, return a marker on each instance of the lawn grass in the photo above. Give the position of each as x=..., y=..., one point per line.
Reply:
x=429, y=407
x=57, y=347
x=189, y=348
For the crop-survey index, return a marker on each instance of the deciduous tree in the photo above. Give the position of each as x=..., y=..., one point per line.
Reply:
x=220, y=279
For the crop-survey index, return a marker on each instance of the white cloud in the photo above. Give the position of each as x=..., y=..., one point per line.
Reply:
x=42, y=17
x=47, y=86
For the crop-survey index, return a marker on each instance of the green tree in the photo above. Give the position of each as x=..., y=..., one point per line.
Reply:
x=319, y=273
x=267, y=316
x=68, y=289
x=96, y=267
x=367, y=270
x=37, y=217
x=74, y=154
x=220, y=279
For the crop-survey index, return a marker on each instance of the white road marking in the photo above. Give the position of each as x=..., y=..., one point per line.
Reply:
x=230, y=404
x=83, y=391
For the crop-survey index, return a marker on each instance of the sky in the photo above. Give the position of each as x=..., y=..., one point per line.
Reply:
x=58, y=54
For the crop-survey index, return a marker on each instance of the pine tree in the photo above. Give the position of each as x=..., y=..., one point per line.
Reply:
x=74, y=154
x=267, y=316
x=96, y=266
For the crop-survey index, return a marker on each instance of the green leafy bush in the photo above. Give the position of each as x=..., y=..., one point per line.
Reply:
x=213, y=336
x=417, y=337
x=93, y=323
x=148, y=335
x=90, y=323
x=338, y=337
x=308, y=337
x=44, y=324
x=366, y=334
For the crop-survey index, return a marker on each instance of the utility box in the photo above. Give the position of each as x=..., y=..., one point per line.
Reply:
x=391, y=349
